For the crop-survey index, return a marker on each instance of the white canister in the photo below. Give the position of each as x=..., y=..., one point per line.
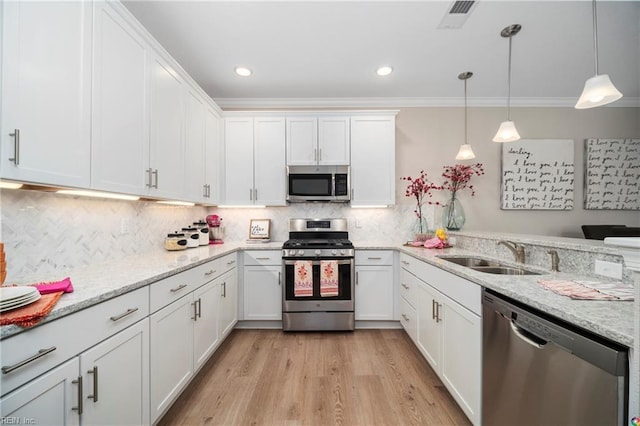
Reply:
x=204, y=231
x=193, y=236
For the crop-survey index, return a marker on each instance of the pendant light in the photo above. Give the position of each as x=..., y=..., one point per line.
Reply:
x=507, y=131
x=598, y=90
x=465, y=152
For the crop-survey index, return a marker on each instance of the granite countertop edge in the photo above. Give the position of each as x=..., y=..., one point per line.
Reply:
x=102, y=281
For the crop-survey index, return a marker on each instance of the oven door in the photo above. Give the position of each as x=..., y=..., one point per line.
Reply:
x=344, y=301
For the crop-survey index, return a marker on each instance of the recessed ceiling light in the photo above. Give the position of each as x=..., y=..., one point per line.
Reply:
x=243, y=72
x=382, y=71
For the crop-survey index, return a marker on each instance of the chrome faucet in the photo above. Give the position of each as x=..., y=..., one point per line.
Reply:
x=555, y=261
x=516, y=249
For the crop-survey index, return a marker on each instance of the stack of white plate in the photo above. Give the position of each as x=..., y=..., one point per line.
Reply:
x=16, y=297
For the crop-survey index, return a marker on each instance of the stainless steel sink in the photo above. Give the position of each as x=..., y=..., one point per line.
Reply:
x=503, y=270
x=487, y=266
x=470, y=262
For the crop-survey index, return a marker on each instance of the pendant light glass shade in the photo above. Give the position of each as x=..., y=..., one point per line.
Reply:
x=507, y=131
x=598, y=90
x=465, y=152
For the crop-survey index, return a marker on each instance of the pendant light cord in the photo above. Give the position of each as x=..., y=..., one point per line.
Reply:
x=595, y=36
x=509, y=84
x=465, y=113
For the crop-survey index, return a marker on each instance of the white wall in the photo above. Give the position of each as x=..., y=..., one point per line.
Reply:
x=428, y=138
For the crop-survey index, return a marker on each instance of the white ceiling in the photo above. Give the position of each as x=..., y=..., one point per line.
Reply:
x=324, y=53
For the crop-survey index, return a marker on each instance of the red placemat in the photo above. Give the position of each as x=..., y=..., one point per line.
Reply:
x=30, y=315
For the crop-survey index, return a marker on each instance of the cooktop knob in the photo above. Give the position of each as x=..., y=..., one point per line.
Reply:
x=318, y=252
x=300, y=252
x=334, y=252
x=342, y=251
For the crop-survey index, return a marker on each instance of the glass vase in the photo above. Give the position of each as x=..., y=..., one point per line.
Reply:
x=453, y=216
x=420, y=229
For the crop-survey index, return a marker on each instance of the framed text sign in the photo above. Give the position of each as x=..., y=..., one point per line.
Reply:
x=259, y=229
x=612, y=174
x=538, y=174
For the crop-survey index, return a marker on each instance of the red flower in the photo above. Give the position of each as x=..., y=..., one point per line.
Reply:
x=419, y=188
x=458, y=176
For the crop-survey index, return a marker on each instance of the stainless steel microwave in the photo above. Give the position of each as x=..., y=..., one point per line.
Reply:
x=318, y=184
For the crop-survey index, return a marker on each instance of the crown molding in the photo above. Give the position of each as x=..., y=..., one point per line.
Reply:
x=406, y=102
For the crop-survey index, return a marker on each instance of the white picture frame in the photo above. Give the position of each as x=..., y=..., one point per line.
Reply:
x=259, y=229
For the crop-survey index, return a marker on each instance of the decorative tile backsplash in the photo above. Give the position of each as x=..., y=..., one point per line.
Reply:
x=46, y=232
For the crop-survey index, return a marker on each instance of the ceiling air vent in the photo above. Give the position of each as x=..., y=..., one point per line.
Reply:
x=457, y=14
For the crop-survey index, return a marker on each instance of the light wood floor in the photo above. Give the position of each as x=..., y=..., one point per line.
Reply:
x=269, y=377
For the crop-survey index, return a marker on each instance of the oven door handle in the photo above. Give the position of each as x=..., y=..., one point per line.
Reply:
x=317, y=262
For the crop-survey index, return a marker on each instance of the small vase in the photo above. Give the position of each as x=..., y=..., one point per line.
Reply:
x=420, y=229
x=453, y=216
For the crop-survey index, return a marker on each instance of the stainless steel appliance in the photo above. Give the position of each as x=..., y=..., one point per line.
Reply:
x=315, y=241
x=538, y=370
x=318, y=183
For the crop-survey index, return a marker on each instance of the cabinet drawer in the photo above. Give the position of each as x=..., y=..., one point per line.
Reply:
x=411, y=264
x=374, y=257
x=57, y=341
x=170, y=289
x=263, y=257
x=409, y=287
x=408, y=319
x=228, y=262
x=204, y=273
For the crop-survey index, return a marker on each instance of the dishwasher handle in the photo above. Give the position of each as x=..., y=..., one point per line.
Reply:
x=527, y=336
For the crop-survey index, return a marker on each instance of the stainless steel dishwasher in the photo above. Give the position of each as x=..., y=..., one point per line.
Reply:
x=538, y=370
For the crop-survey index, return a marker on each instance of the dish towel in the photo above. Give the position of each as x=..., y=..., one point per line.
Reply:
x=303, y=278
x=55, y=286
x=31, y=314
x=589, y=290
x=328, y=278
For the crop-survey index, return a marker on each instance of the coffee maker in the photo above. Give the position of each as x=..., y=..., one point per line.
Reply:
x=215, y=229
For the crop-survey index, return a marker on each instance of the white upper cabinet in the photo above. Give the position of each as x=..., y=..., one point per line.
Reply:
x=373, y=160
x=254, y=161
x=166, y=155
x=195, y=150
x=46, y=75
x=212, y=155
x=318, y=141
x=120, y=120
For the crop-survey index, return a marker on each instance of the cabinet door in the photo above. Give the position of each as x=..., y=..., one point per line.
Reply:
x=229, y=303
x=269, y=162
x=238, y=161
x=171, y=353
x=374, y=293
x=212, y=155
x=262, y=293
x=302, y=141
x=48, y=399
x=429, y=328
x=166, y=153
x=119, y=119
x=461, y=357
x=121, y=359
x=334, y=141
x=46, y=75
x=373, y=160
x=205, y=327
x=194, y=139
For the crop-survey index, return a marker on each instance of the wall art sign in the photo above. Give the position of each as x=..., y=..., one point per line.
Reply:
x=259, y=229
x=612, y=174
x=538, y=174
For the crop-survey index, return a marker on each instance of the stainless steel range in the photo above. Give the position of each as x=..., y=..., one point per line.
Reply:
x=318, y=267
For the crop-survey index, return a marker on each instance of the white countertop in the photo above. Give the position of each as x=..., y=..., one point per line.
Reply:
x=103, y=281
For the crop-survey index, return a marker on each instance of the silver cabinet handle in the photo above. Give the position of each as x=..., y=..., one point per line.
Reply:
x=199, y=301
x=155, y=173
x=94, y=371
x=231, y=262
x=42, y=352
x=263, y=258
x=224, y=289
x=279, y=278
x=352, y=192
x=250, y=194
x=255, y=194
x=320, y=154
x=405, y=286
x=433, y=308
x=404, y=262
x=79, y=383
x=315, y=154
x=374, y=258
x=180, y=287
x=128, y=312
x=208, y=191
x=438, y=306
x=210, y=272
x=16, y=146
x=406, y=318
x=357, y=278
x=204, y=190
x=195, y=310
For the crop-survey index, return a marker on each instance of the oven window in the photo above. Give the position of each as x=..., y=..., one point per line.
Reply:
x=344, y=282
x=307, y=184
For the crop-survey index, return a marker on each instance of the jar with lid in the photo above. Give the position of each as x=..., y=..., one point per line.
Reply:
x=193, y=236
x=203, y=228
x=175, y=241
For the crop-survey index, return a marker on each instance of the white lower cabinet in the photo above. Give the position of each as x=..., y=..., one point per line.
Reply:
x=50, y=399
x=228, y=302
x=449, y=328
x=206, y=333
x=374, y=298
x=262, y=285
